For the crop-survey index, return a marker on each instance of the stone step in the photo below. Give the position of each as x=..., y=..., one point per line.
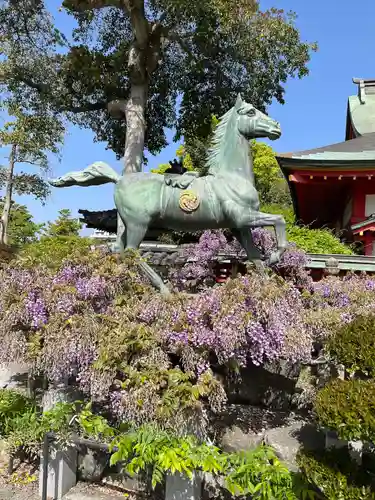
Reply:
x=83, y=491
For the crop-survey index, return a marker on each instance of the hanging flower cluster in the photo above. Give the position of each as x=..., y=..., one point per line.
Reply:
x=98, y=323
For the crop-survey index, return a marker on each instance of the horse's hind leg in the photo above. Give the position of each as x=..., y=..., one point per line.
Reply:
x=134, y=236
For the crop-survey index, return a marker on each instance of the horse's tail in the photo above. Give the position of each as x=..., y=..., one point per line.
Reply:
x=96, y=174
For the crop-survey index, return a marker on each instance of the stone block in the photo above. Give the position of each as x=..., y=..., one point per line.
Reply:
x=14, y=376
x=180, y=487
x=272, y=387
x=356, y=451
x=62, y=473
x=287, y=441
x=236, y=439
x=91, y=464
x=332, y=441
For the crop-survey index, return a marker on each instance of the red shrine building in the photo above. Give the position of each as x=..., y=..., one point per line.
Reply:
x=334, y=186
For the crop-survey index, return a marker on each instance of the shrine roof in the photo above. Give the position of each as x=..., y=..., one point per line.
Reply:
x=365, y=224
x=103, y=220
x=360, y=149
x=361, y=108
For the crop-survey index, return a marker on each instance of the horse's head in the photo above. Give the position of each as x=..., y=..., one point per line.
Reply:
x=253, y=124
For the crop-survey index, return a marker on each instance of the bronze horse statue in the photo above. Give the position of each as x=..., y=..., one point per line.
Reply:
x=224, y=198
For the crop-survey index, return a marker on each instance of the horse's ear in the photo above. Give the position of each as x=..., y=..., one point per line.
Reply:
x=238, y=101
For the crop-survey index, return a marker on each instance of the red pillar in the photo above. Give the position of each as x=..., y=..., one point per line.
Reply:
x=368, y=239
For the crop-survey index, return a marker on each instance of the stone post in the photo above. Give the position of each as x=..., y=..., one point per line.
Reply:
x=62, y=463
x=180, y=487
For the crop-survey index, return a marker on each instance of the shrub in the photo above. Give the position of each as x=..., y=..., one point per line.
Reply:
x=335, y=475
x=309, y=240
x=353, y=345
x=13, y=405
x=348, y=407
x=52, y=250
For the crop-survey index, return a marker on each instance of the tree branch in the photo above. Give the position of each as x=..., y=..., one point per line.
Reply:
x=86, y=5
x=41, y=88
x=183, y=45
x=136, y=9
x=84, y=108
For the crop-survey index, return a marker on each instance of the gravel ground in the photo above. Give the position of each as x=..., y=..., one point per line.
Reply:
x=81, y=491
x=23, y=485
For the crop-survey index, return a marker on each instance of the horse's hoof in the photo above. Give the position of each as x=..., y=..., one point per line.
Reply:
x=273, y=259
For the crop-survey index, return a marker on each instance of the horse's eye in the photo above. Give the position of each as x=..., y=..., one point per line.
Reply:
x=252, y=112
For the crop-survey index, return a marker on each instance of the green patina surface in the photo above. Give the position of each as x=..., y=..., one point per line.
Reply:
x=224, y=198
x=362, y=115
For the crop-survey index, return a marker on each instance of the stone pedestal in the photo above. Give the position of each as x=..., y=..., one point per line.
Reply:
x=62, y=473
x=180, y=487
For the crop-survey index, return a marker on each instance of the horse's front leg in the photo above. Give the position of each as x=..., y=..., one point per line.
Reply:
x=282, y=242
x=260, y=219
x=246, y=240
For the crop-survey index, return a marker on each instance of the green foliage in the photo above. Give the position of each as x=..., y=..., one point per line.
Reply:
x=269, y=181
x=13, y=405
x=65, y=225
x=149, y=448
x=24, y=426
x=51, y=251
x=335, y=475
x=348, y=407
x=22, y=228
x=204, y=40
x=35, y=135
x=26, y=184
x=29, y=428
x=353, y=345
x=60, y=240
x=321, y=241
x=258, y=472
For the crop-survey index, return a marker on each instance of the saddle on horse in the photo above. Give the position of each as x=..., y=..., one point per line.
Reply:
x=180, y=181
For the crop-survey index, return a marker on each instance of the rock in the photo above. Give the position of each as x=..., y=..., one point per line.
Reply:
x=59, y=394
x=14, y=376
x=248, y=419
x=91, y=465
x=304, y=396
x=123, y=481
x=214, y=488
x=286, y=441
x=284, y=368
x=272, y=387
x=235, y=439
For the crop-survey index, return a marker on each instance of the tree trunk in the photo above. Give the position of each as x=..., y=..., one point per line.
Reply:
x=135, y=113
x=4, y=238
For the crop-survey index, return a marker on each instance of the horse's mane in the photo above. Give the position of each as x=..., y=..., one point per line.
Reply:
x=216, y=147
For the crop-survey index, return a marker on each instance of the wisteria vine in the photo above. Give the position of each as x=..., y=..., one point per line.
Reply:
x=97, y=322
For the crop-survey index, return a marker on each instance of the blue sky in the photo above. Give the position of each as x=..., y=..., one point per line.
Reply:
x=314, y=113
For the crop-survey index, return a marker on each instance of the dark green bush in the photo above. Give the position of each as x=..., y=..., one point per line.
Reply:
x=353, y=345
x=335, y=475
x=348, y=407
x=13, y=405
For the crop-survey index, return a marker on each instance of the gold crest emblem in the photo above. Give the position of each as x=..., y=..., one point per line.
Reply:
x=189, y=201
